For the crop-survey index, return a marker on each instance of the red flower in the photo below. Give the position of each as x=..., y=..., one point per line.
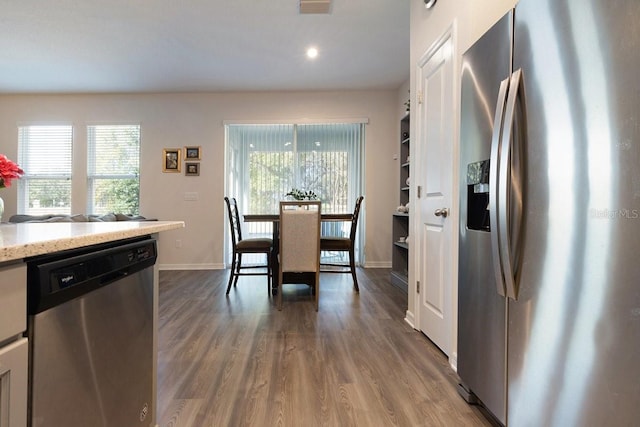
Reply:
x=8, y=171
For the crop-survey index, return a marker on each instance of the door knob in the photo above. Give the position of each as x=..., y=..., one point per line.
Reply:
x=444, y=212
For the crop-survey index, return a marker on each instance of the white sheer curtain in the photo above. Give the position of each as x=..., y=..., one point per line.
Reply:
x=265, y=161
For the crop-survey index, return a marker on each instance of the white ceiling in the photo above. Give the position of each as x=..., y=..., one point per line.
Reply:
x=95, y=46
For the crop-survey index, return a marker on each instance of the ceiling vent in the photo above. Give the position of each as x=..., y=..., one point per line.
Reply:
x=315, y=6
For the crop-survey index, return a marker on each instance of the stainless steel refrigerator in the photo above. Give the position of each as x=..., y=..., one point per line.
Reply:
x=549, y=265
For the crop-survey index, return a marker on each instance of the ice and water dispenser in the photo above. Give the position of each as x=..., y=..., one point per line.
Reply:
x=478, y=196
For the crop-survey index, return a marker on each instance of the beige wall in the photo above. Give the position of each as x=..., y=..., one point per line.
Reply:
x=469, y=19
x=472, y=19
x=178, y=120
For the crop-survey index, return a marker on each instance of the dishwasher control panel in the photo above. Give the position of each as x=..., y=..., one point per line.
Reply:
x=65, y=275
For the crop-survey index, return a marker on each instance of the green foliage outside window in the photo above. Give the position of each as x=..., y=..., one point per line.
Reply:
x=272, y=175
x=117, y=195
x=49, y=193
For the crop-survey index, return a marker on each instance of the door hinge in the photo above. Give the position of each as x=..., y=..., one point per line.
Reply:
x=417, y=287
x=419, y=191
x=420, y=97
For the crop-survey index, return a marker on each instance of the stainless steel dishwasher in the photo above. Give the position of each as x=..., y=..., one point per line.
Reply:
x=90, y=328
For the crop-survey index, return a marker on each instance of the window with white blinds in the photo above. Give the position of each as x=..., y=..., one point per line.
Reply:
x=45, y=154
x=113, y=169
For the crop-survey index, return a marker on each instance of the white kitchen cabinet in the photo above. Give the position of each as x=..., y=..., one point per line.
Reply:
x=14, y=349
x=13, y=300
x=13, y=384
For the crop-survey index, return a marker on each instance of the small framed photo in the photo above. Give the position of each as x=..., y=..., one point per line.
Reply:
x=171, y=160
x=192, y=153
x=191, y=169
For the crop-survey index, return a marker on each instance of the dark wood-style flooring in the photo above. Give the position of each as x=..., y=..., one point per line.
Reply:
x=237, y=361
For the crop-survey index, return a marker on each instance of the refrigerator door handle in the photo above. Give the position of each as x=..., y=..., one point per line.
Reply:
x=493, y=185
x=510, y=188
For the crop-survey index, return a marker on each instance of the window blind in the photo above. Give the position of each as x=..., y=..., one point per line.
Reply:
x=265, y=161
x=45, y=154
x=113, y=169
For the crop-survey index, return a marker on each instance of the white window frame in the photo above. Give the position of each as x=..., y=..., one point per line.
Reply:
x=92, y=175
x=32, y=164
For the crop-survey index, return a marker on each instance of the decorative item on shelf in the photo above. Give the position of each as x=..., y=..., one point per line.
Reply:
x=8, y=171
x=406, y=239
x=408, y=103
x=403, y=208
x=298, y=194
x=408, y=181
x=402, y=239
x=408, y=159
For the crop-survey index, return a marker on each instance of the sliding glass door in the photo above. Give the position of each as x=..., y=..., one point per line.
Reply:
x=265, y=162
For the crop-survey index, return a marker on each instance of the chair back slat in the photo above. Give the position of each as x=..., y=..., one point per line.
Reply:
x=234, y=220
x=354, y=220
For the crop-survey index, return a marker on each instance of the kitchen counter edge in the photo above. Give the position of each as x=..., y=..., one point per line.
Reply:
x=24, y=240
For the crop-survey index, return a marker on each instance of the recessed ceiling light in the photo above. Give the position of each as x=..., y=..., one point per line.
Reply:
x=312, y=52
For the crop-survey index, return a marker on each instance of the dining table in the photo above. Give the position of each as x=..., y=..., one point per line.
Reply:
x=273, y=261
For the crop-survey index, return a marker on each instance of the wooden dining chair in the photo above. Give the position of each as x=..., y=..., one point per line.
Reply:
x=299, y=243
x=242, y=246
x=343, y=244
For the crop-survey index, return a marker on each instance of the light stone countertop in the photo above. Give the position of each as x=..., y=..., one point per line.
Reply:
x=24, y=240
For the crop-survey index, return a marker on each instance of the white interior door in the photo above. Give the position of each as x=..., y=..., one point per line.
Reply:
x=434, y=224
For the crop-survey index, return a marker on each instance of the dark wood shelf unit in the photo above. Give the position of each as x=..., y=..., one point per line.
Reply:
x=400, y=227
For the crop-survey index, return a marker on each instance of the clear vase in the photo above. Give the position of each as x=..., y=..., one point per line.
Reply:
x=1, y=208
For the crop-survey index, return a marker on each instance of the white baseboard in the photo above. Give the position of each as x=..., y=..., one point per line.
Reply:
x=453, y=361
x=410, y=319
x=191, y=267
x=380, y=264
x=377, y=264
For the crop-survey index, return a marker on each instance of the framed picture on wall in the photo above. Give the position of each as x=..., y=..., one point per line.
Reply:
x=171, y=160
x=191, y=169
x=192, y=153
